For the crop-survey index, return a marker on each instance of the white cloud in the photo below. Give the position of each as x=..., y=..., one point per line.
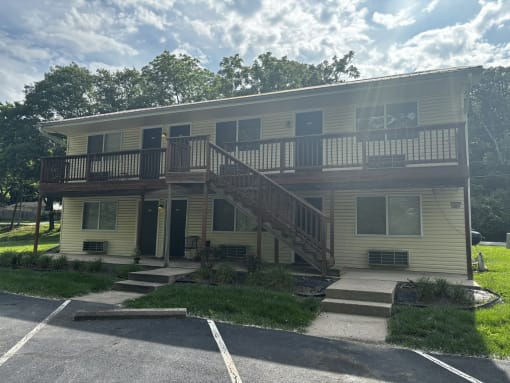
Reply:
x=430, y=6
x=390, y=21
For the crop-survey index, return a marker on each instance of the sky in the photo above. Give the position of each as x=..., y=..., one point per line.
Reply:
x=388, y=37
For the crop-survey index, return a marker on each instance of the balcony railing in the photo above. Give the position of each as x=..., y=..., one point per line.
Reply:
x=141, y=164
x=372, y=149
x=421, y=146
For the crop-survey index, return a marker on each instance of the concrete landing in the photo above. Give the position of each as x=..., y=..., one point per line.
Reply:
x=112, y=297
x=345, y=326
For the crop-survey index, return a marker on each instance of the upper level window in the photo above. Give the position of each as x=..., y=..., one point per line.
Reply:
x=103, y=143
x=99, y=215
x=390, y=116
x=240, y=131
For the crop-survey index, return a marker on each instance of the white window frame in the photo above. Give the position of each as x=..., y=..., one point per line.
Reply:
x=104, y=140
x=385, y=116
x=99, y=215
x=237, y=129
x=387, y=234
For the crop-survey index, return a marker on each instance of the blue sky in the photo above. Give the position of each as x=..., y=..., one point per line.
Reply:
x=388, y=37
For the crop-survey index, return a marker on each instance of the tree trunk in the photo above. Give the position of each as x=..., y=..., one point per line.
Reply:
x=13, y=216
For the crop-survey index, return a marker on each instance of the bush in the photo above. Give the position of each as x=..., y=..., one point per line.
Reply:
x=43, y=262
x=124, y=270
x=8, y=259
x=274, y=278
x=428, y=291
x=203, y=273
x=60, y=263
x=78, y=265
x=95, y=266
x=29, y=260
x=225, y=274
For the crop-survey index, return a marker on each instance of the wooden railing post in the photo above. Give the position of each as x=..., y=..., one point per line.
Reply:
x=37, y=223
x=364, y=143
x=282, y=156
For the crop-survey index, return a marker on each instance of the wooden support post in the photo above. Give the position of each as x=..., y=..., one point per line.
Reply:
x=205, y=209
x=282, y=156
x=332, y=224
x=37, y=223
x=467, y=226
x=168, y=217
x=276, y=251
x=139, y=226
x=259, y=220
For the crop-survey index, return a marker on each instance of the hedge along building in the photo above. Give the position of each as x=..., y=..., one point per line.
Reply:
x=364, y=173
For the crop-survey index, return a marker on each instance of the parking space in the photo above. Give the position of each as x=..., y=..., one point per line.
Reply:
x=184, y=350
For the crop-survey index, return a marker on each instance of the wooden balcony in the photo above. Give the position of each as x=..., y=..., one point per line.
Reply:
x=424, y=156
x=123, y=172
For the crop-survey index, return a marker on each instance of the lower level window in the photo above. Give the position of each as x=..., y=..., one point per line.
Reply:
x=99, y=215
x=388, y=215
x=227, y=218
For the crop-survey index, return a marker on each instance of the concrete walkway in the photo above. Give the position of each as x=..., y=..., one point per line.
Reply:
x=111, y=297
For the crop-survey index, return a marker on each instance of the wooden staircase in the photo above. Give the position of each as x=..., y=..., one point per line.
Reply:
x=286, y=216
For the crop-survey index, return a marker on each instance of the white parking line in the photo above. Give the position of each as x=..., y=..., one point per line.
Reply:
x=5, y=357
x=231, y=368
x=446, y=366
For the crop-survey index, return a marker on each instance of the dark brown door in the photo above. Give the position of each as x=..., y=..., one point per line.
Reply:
x=149, y=227
x=151, y=155
x=180, y=149
x=308, y=149
x=178, y=228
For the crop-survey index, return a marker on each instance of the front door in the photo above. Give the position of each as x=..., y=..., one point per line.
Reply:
x=151, y=158
x=149, y=227
x=180, y=151
x=178, y=227
x=306, y=223
x=308, y=149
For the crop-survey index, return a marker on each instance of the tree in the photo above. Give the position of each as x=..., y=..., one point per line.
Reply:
x=117, y=91
x=65, y=92
x=489, y=151
x=171, y=79
x=20, y=147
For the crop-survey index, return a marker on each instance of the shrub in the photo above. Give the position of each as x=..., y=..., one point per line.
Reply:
x=29, y=260
x=60, y=263
x=124, y=270
x=95, y=266
x=203, y=273
x=225, y=274
x=78, y=265
x=274, y=278
x=8, y=259
x=43, y=262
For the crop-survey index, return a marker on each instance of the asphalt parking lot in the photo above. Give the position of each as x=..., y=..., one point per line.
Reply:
x=184, y=350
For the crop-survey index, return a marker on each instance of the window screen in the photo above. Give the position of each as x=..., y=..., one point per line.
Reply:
x=404, y=215
x=223, y=219
x=226, y=133
x=371, y=215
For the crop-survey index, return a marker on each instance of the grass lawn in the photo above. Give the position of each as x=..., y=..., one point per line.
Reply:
x=58, y=284
x=244, y=305
x=482, y=332
x=22, y=238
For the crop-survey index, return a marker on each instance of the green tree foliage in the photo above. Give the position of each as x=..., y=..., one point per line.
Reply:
x=117, y=91
x=489, y=150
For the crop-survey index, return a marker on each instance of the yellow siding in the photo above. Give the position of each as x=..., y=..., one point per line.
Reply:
x=121, y=241
x=440, y=249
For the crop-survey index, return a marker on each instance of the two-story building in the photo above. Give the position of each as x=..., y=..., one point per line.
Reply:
x=351, y=175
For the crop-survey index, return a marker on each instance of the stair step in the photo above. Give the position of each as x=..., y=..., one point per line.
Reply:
x=345, y=306
x=366, y=296
x=162, y=275
x=136, y=286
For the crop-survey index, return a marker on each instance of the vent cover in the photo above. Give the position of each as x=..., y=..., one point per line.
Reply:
x=96, y=247
x=388, y=258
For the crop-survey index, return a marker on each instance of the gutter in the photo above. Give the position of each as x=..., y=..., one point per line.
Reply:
x=54, y=139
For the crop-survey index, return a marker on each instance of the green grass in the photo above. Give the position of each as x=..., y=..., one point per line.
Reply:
x=483, y=332
x=51, y=283
x=244, y=305
x=21, y=238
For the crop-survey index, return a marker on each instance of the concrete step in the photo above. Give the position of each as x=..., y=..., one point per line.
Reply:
x=136, y=286
x=165, y=275
x=344, y=306
x=362, y=290
x=357, y=295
